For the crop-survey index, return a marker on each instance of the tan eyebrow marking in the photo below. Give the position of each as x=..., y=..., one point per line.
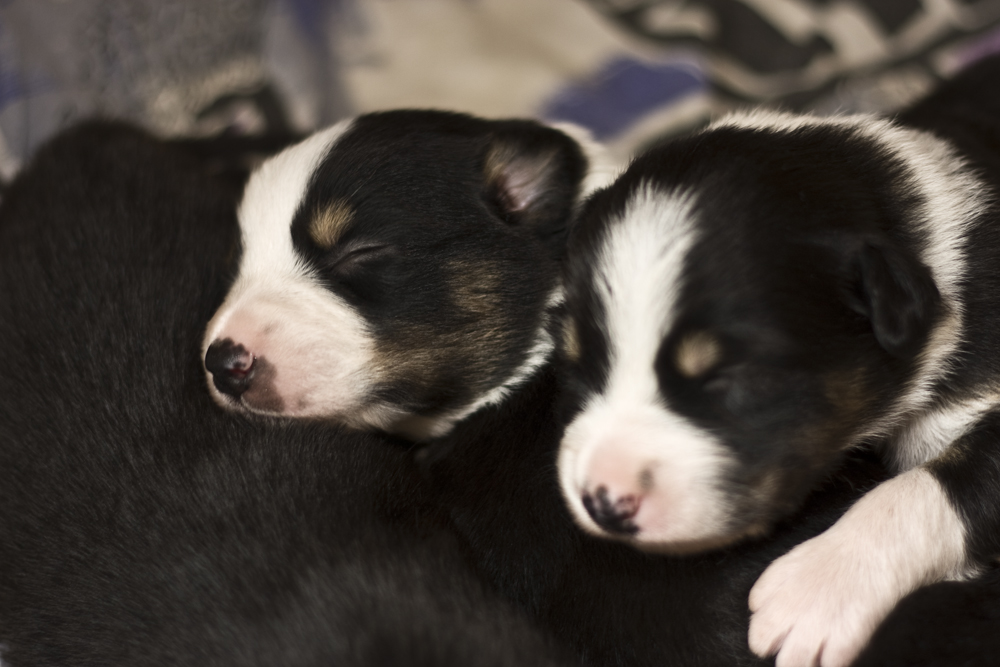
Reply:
x=330, y=223
x=697, y=353
x=571, y=339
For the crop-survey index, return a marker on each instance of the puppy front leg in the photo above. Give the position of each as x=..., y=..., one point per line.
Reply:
x=969, y=472
x=820, y=603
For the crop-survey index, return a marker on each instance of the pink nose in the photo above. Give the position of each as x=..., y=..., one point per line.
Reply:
x=615, y=487
x=612, y=513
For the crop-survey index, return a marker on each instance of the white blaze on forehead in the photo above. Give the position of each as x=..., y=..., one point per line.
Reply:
x=317, y=348
x=272, y=197
x=637, y=279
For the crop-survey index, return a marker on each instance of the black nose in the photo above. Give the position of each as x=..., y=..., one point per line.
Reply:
x=231, y=366
x=613, y=515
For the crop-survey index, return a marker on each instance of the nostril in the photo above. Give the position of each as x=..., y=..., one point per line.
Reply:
x=612, y=514
x=231, y=366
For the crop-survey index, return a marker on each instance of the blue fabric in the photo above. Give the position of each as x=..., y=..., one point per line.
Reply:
x=622, y=92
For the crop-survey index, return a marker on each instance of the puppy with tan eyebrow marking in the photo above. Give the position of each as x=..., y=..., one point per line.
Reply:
x=397, y=270
x=748, y=303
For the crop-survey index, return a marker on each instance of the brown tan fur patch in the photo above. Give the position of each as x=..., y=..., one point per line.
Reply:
x=846, y=391
x=474, y=288
x=571, y=339
x=697, y=353
x=420, y=354
x=330, y=223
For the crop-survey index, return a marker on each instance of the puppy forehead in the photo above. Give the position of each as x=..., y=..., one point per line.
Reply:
x=638, y=277
x=274, y=194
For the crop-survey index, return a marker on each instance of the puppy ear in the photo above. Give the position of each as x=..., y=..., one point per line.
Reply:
x=533, y=175
x=897, y=294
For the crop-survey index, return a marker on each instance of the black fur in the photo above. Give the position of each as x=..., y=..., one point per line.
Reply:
x=438, y=206
x=949, y=624
x=142, y=525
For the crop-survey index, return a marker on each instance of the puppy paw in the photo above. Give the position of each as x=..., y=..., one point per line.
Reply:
x=818, y=605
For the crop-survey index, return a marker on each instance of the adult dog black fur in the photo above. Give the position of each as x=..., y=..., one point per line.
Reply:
x=143, y=526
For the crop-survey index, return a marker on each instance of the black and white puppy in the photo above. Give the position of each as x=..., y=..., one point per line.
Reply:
x=748, y=303
x=396, y=269
x=143, y=526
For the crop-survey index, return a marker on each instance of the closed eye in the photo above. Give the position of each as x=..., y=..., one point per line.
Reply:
x=718, y=384
x=351, y=258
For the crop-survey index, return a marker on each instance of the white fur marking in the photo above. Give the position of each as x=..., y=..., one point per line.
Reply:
x=820, y=603
x=651, y=454
x=929, y=435
x=637, y=279
x=602, y=170
x=270, y=201
x=317, y=345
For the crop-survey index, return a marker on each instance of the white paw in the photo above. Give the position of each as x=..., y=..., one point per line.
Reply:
x=818, y=604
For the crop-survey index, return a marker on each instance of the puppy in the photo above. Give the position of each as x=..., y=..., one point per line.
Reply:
x=747, y=304
x=396, y=270
x=141, y=525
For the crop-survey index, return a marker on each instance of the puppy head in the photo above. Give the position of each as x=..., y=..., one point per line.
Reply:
x=396, y=270
x=742, y=306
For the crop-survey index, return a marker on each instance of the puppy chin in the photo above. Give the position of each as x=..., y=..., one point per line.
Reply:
x=269, y=405
x=686, y=548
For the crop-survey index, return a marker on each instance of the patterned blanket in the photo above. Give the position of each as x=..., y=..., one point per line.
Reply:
x=630, y=70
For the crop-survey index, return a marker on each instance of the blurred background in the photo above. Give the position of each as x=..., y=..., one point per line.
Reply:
x=630, y=70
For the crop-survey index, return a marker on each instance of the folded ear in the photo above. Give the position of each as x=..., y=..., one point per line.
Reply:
x=533, y=176
x=896, y=292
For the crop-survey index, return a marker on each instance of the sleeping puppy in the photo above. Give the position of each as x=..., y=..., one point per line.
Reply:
x=143, y=526
x=747, y=304
x=396, y=270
